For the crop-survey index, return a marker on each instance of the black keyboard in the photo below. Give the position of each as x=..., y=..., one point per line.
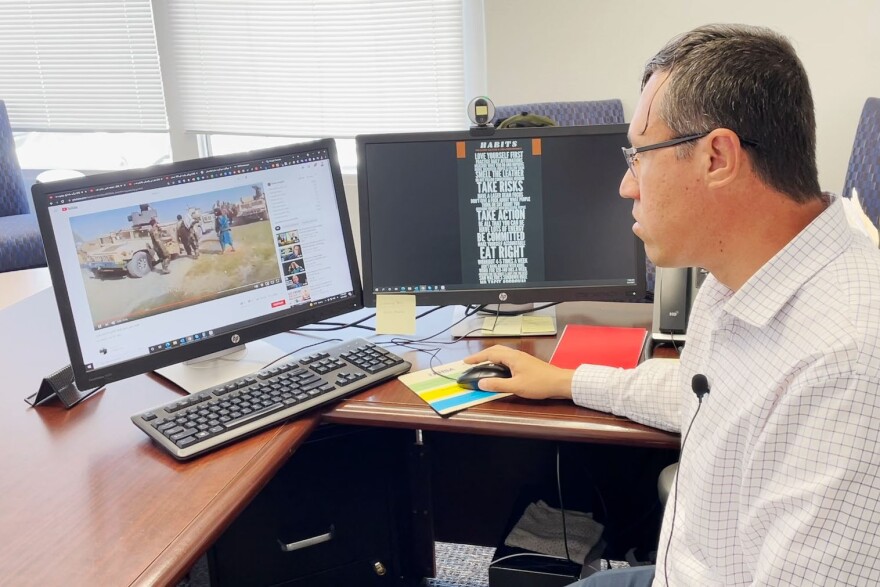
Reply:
x=212, y=417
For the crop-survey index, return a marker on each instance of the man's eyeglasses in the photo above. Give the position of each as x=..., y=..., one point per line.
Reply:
x=629, y=153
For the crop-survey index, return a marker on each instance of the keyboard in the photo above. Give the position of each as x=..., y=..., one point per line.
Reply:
x=210, y=418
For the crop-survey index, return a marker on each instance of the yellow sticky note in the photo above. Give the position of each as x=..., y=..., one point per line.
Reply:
x=538, y=324
x=395, y=314
x=505, y=326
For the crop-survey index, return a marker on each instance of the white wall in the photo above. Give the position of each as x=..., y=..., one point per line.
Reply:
x=548, y=50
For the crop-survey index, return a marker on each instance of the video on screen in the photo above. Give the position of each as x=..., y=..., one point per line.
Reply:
x=156, y=257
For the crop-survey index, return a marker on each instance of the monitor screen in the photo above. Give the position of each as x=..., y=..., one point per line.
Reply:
x=156, y=266
x=523, y=215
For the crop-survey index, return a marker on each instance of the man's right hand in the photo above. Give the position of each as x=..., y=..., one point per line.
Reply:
x=530, y=377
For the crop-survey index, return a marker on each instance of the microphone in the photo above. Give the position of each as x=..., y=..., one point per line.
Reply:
x=700, y=385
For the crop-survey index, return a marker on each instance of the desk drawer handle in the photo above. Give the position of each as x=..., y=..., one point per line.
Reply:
x=308, y=541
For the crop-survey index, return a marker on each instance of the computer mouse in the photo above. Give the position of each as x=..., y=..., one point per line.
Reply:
x=472, y=376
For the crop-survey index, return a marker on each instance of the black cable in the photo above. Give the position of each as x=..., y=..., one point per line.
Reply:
x=675, y=489
x=355, y=324
x=671, y=336
x=561, y=505
x=339, y=327
x=520, y=312
x=469, y=311
x=302, y=348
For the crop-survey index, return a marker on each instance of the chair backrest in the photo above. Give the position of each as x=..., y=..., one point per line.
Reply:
x=863, y=172
x=569, y=113
x=13, y=195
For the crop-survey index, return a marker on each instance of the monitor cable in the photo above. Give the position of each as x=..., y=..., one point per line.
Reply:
x=499, y=312
x=356, y=324
x=300, y=349
x=433, y=352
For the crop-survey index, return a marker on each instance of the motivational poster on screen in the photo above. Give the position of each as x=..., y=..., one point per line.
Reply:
x=499, y=186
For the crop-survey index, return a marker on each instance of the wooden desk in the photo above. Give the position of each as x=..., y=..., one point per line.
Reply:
x=88, y=500
x=394, y=405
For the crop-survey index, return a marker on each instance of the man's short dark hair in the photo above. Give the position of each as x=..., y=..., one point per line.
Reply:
x=749, y=80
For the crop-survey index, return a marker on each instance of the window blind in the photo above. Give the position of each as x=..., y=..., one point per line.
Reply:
x=314, y=69
x=80, y=65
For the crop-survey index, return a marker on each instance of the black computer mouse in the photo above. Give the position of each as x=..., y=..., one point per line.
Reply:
x=472, y=376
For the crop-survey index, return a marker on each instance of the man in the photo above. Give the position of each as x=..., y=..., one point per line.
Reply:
x=224, y=230
x=778, y=481
x=183, y=233
x=156, y=235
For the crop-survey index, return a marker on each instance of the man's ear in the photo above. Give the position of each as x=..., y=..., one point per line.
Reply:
x=725, y=157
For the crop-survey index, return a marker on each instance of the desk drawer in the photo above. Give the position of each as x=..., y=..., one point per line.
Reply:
x=329, y=508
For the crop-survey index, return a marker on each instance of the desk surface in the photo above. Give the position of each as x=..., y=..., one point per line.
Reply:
x=88, y=500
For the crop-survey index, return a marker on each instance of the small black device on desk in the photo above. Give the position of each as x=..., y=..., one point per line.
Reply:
x=213, y=417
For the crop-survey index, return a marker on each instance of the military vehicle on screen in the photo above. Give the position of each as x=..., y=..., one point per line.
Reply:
x=129, y=251
x=252, y=208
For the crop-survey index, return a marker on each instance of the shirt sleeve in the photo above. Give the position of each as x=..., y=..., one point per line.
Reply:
x=812, y=487
x=649, y=394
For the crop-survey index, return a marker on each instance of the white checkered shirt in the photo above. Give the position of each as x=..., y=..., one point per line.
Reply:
x=779, y=483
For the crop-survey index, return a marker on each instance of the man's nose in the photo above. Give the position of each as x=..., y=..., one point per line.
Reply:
x=629, y=186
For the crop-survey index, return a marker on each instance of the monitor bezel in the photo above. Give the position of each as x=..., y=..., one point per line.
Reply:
x=494, y=295
x=271, y=325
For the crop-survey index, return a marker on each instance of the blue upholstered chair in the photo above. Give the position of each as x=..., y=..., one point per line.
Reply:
x=20, y=244
x=569, y=113
x=863, y=172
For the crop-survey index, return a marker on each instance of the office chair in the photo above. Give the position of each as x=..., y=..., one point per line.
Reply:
x=863, y=171
x=569, y=113
x=21, y=246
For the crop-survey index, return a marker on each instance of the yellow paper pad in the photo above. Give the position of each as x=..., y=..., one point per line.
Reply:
x=395, y=314
x=538, y=324
x=505, y=326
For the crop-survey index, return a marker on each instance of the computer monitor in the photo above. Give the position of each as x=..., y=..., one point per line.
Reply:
x=156, y=266
x=523, y=215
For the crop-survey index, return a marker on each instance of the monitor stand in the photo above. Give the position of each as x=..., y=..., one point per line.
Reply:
x=212, y=370
x=534, y=323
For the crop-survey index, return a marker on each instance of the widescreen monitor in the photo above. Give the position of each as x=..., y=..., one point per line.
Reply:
x=520, y=216
x=156, y=266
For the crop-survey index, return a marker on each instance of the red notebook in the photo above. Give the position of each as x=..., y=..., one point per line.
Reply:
x=613, y=346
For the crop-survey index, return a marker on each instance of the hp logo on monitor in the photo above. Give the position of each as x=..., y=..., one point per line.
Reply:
x=236, y=339
x=502, y=297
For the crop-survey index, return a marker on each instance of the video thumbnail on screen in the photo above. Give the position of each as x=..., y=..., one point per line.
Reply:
x=160, y=256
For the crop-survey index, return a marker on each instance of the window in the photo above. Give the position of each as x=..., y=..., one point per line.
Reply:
x=82, y=66
x=317, y=69
x=85, y=90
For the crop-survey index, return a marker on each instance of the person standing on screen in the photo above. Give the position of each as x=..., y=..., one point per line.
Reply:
x=156, y=234
x=224, y=231
x=183, y=234
x=778, y=483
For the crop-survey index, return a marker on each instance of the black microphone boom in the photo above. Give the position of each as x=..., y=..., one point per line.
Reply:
x=700, y=385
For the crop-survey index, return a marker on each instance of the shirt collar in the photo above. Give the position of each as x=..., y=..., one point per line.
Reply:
x=765, y=293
